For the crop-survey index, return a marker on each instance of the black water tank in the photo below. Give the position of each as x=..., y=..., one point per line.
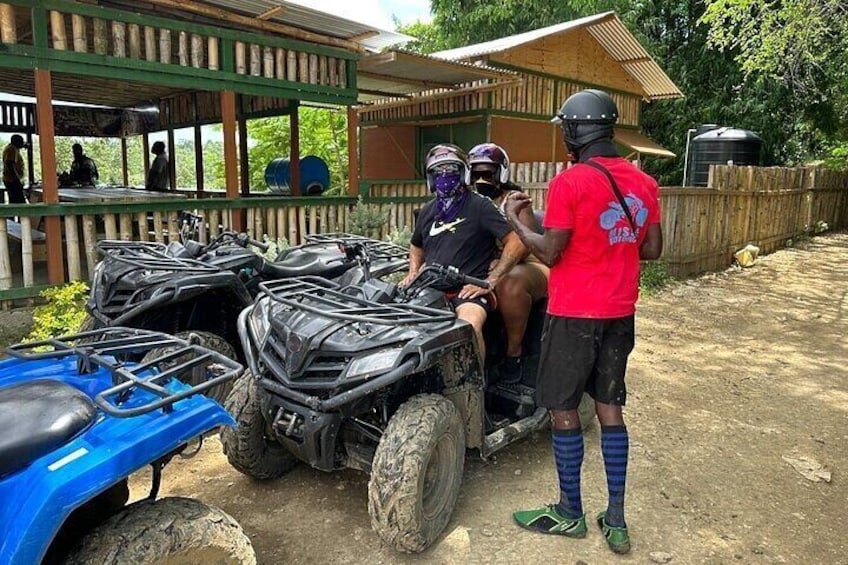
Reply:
x=720, y=146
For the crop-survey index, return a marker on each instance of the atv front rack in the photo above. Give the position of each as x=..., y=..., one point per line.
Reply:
x=324, y=298
x=163, y=358
x=376, y=248
x=150, y=256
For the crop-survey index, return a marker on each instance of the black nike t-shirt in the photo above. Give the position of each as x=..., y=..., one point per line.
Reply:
x=469, y=242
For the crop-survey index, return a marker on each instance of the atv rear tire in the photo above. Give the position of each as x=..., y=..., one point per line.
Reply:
x=248, y=446
x=217, y=344
x=88, y=324
x=170, y=530
x=416, y=473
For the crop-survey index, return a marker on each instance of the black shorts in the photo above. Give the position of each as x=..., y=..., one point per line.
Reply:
x=582, y=354
x=487, y=302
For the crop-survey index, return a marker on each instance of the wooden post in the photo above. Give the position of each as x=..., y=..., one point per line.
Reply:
x=150, y=43
x=119, y=39
x=30, y=160
x=165, y=46
x=244, y=157
x=79, y=33
x=212, y=53
x=182, y=48
x=101, y=36
x=53, y=224
x=172, y=161
x=294, y=150
x=124, y=162
x=228, y=121
x=352, y=152
x=198, y=158
x=57, y=31
x=135, y=41
x=145, y=149
x=8, y=28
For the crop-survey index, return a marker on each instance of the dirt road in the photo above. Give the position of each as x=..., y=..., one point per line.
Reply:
x=732, y=373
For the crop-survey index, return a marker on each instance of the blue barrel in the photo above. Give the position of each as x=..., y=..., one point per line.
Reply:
x=314, y=176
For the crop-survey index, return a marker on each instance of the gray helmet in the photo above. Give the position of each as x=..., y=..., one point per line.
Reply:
x=587, y=116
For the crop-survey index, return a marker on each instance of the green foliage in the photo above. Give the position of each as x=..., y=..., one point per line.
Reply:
x=401, y=236
x=837, y=157
x=63, y=313
x=719, y=87
x=323, y=132
x=365, y=219
x=653, y=277
x=427, y=37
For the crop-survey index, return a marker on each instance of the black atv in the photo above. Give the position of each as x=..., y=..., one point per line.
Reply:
x=197, y=289
x=382, y=379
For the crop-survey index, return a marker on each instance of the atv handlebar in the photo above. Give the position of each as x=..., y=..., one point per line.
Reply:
x=241, y=239
x=442, y=276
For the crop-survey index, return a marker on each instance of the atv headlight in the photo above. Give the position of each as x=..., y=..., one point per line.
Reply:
x=378, y=362
x=260, y=325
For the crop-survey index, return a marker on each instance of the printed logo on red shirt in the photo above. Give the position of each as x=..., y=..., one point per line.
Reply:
x=615, y=222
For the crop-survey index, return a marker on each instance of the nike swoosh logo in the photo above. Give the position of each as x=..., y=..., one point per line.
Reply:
x=451, y=226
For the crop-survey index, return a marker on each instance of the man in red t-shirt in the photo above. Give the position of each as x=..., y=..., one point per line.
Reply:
x=602, y=217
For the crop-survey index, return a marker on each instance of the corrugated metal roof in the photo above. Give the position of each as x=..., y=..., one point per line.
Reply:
x=399, y=73
x=370, y=37
x=609, y=31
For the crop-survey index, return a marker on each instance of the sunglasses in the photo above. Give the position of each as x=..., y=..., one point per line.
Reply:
x=445, y=169
x=488, y=176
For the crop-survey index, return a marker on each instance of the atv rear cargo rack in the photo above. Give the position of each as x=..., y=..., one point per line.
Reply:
x=324, y=298
x=151, y=256
x=112, y=348
x=375, y=247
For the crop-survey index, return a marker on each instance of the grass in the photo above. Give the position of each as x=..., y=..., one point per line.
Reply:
x=654, y=277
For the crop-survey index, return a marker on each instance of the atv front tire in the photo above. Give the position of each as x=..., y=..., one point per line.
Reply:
x=248, y=446
x=217, y=344
x=169, y=530
x=416, y=473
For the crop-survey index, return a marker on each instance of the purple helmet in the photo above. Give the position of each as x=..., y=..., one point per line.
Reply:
x=490, y=154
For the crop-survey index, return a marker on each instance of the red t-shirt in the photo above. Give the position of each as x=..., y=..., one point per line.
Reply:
x=597, y=275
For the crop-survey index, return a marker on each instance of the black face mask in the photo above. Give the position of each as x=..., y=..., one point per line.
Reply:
x=487, y=189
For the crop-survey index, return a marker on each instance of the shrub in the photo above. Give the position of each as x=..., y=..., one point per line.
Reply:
x=62, y=314
x=653, y=276
x=365, y=219
x=401, y=237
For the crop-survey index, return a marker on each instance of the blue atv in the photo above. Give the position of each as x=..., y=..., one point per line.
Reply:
x=78, y=416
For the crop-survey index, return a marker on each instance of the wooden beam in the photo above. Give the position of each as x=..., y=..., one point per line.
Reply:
x=364, y=36
x=352, y=152
x=244, y=157
x=46, y=133
x=198, y=159
x=270, y=13
x=254, y=23
x=145, y=149
x=294, y=149
x=172, y=159
x=228, y=121
x=124, y=162
x=404, y=80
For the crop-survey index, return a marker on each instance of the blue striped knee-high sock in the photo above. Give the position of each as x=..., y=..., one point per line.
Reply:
x=568, y=454
x=614, y=445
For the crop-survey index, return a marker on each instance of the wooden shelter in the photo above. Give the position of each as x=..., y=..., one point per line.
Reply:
x=548, y=65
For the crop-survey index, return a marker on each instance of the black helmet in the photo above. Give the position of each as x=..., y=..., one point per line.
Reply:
x=587, y=116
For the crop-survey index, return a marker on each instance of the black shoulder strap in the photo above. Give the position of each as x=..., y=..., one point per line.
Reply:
x=617, y=192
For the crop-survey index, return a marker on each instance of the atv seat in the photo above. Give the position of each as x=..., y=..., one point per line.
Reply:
x=303, y=264
x=36, y=418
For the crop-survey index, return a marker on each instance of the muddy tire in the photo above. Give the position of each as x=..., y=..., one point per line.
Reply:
x=88, y=324
x=586, y=411
x=170, y=530
x=416, y=473
x=210, y=341
x=248, y=446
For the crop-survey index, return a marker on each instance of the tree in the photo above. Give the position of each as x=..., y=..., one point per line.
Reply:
x=717, y=86
x=323, y=132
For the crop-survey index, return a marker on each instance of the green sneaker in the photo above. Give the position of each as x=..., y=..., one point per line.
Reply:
x=617, y=538
x=547, y=520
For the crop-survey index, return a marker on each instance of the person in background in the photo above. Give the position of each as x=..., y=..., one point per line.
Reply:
x=159, y=176
x=527, y=282
x=602, y=217
x=83, y=168
x=13, y=170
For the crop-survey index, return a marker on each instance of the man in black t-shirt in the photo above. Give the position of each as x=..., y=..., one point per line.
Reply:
x=460, y=228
